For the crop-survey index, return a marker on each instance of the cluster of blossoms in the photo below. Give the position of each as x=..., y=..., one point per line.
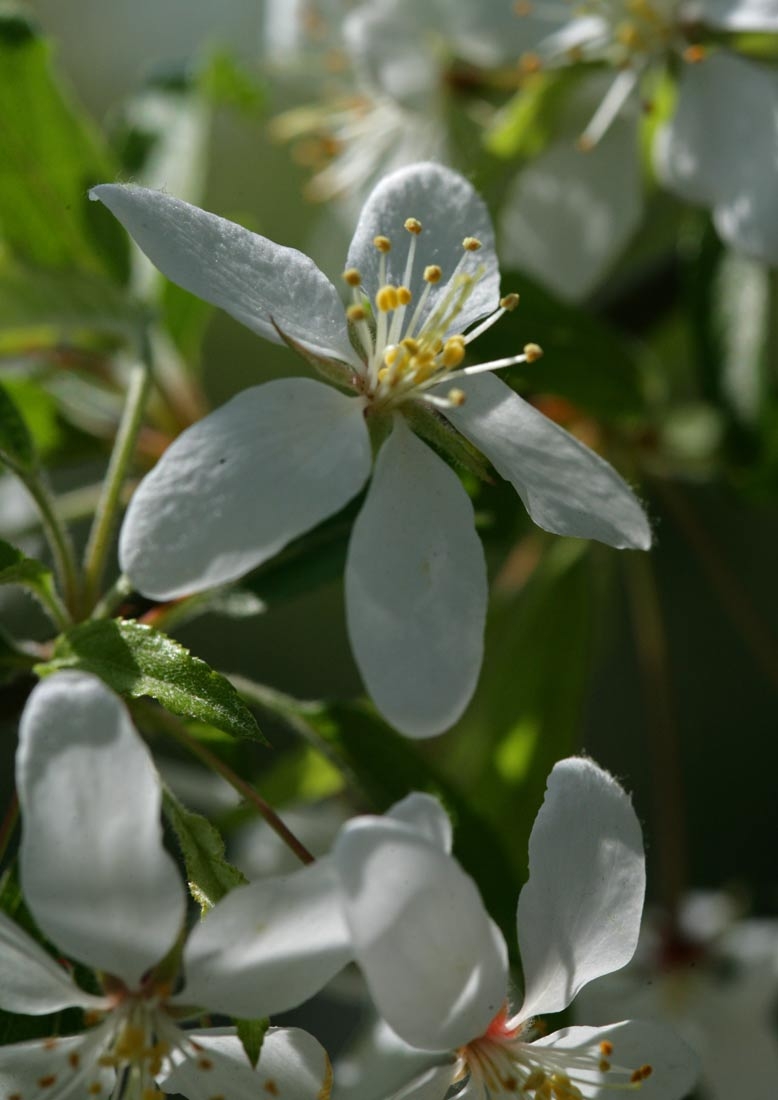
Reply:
x=389, y=896
x=566, y=216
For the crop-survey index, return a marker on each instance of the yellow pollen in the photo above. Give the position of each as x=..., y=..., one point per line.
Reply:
x=471, y=244
x=433, y=274
x=457, y=397
x=205, y=1063
x=604, y=1065
x=509, y=302
x=51, y=1043
x=131, y=1042
x=629, y=36
x=95, y=1088
x=694, y=54
x=74, y=1059
x=413, y=225
x=606, y=1048
x=391, y=354
x=383, y=244
x=522, y=7
x=453, y=351
x=584, y=144
x=47, y=1081
x=153, y=1094
x=410, y=345
x=356, y=313
x=530, y=63
x=533, y=352
x=387, y=298
x=403, y=295
x=352, y=276
x=535, y=1080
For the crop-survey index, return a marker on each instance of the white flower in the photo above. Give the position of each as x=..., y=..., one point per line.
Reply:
x=102, y=888
x=714, y=977
x=279, y=458
x=719, y=149
x=436, y=966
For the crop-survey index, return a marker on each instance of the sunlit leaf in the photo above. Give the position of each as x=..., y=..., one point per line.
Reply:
x=208, y=873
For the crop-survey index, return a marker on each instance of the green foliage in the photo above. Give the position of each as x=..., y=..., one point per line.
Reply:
x=13, y=659
x=252, y=1035
x=136, y=660
x=208, y=873
x=528, y=121
x=17, y=568
x=227, y=82
x=51, y=157
x=16, y=446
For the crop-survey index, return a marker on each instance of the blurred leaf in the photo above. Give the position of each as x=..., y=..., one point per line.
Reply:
x=740, y=315
x=186, y=319
x=16, y=445
x=14, y=661
x=226, y=81
x=51, y=157
x=584, y=360
x=40, y=412
x=17, y=568
x=303, y=775
x=306, y=564
x=42, y=308
x=208, y=873
x=136, y=660
x=252, y=1034
x=528, y=121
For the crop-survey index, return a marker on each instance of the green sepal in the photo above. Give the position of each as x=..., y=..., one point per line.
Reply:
x=446, y=440
x=209, y=876
x=252, y=1035
x=136, y=660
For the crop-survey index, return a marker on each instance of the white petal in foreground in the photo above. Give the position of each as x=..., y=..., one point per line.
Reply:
x=63, y=1068
x=416, y=589
x=721, y=149
x=566, y=488
x=435, y=964
x=740, y=15
x=269, y=946
x=636, y=1043
x=569, y=214
x=579, y=913
x=292, y=1066
x=426, y=815
x=433, y=1084
x=260, y=283
x=378, y=1063
x=95, y=874
x=237, y=486
x=30, y=980
x=449, y=210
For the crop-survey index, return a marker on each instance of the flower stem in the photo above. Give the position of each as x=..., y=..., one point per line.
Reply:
x=101, y=534
x=176, y=729
x=59, y=540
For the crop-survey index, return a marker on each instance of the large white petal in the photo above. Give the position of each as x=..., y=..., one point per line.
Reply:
x=416, y=589
x=379, y=1063
x=292, y=1065
x=566, y=488
x=433, y=1084
x=30, y=980
x=68, y=1066
x=260, y=283
x=721, y=149
x=435, y=964
x=579, y=913
x=95, y=874
x=269, y=946
x=739, y=15
x=425, y=814
x=237, y=486
x=450, y=210
x=636, y=1043
x=568, y=215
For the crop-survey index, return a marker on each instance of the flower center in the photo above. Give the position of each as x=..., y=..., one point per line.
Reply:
x=505, y=1062
x=409, y=347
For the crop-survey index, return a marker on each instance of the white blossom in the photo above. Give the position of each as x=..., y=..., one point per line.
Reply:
x=103, y=889
x=279, y=458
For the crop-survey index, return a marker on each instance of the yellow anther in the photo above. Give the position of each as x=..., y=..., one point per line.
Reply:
x=533, y=352
x=604, y=1065
x=413, y=225
x=530, y=63
x=383, y=244
x=509, y=302
x=694, y=54
x=387, y=298
x=433, y=274
x=535, y=1080
x=74, y=1059
x=471, y=244
x=383, y=374
x=453, y=351
x=131, y=1042
x=95, y=1088
x=47, y=1081
x=356, y=313
x=403, y=295
x=391, y=354
x=352, y=276
x=522, y=7
x=205, y=1063
x=584, y=144
x=152, y=1094
x=606, y=1048
x=410, y=345
x=457, y=397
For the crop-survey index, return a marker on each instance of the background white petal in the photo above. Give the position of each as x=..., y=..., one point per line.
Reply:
x=435, y=964
x=636, y=1043
x=269, y=946
x=416, y=589
x=292, y=1066
x=425, y=814
x=721, y=149
x=450, y=210
x=433, y=1084
x=569, y=214
x=95, y=874
x=253, y=279
x=566, y=488
x=739, y=15
x=379, y=1063
x=30, y=980
x=579, y=913
x=234, y=488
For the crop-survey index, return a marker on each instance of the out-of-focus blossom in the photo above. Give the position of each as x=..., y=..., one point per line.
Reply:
x=279, y=458
x=715, y=979
x=436, y=965
x=101, y=886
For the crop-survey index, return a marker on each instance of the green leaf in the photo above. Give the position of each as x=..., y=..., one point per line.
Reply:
x=51, y=157
x=40, y=411
x=16, y=445
x=226, y=81
x=17, y=568
x=528, y=121
x=252, y=1034
x=14, y=661
x=208, y=873
x=136, y=660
